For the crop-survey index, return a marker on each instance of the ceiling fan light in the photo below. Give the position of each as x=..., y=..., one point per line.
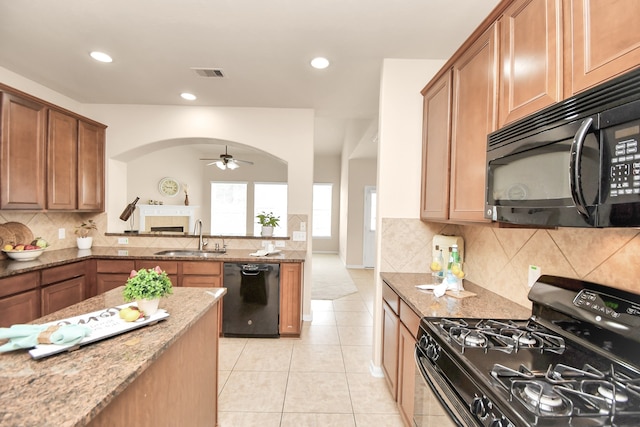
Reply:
x=221, y=165
x=232, y=165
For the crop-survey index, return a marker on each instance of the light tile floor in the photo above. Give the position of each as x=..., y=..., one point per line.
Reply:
x=319, y=379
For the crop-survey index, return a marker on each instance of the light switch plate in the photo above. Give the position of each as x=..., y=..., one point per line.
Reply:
x=61, y=233
x=303, y=226
x=123, y=240
x=299, y=236
x=534, y=273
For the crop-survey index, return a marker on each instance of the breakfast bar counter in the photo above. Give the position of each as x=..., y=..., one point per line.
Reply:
x=160, y=374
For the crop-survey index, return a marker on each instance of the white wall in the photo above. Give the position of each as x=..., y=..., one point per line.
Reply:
x=327, y=171
x=362, y=173
x=400, y=134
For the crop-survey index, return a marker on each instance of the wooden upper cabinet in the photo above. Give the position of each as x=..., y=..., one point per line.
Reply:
x=473, y=118
x=62, y=143
x=603, y=40
x=436, y=143
x=22, y=145
x=530, y=58
x=91, y=158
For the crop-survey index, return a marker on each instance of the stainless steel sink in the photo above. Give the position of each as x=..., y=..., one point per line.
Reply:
x=193, y=253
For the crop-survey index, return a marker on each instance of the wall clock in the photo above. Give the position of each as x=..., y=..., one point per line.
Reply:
x=168, y=187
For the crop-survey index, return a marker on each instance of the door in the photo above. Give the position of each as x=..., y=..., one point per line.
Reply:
x=369, y=235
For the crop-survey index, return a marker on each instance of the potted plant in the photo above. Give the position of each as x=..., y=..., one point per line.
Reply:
x=268, y=222
x=146, y=287
x=84, y=240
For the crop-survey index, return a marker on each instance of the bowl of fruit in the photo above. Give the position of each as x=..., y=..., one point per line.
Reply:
x=25, y=252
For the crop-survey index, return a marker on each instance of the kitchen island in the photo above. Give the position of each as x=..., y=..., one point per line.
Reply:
x=161, y=374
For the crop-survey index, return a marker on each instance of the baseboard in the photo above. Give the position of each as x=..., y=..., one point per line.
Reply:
x=376, y=371
x=307, y=317
x=359, y=266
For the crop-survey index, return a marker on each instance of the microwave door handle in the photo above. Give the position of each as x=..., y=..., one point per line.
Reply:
x=575, y=164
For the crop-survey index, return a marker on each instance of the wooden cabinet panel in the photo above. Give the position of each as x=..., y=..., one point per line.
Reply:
x=20, y=308
x=106, y=282
x=63, y=294
x=391, y=298
x=91, y=140
x=22, y=149
x=406, y=373
x=390, y=337
x=63, y=272
x=170, y=267
x=473, y=118
x=115, y=266
x=530, y=57
x=19, y=283
x=62, y=157
x=436, y=144
x=202, y=267
x=409, y=318
x=201, y=281
x=290, y=298
x=603, y=40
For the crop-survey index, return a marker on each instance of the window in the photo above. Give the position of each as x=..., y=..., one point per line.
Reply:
x=322, y=194
x=271, y=197
x=229, y=208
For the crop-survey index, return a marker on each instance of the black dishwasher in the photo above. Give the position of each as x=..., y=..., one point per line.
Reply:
x=251, y=306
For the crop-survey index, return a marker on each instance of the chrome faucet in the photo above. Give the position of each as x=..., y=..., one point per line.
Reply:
x=197, y=229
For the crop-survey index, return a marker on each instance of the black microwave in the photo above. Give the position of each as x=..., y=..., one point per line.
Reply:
x=573, y=164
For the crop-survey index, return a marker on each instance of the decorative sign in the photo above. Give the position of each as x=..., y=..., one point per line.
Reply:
x=103, y=323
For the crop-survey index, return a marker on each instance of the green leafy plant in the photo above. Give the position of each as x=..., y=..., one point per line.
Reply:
x=84, y=229
x=268, y=219
x=147, y=284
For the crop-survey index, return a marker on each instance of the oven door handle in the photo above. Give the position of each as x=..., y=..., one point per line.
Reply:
x=438, y=390
x=575, y=165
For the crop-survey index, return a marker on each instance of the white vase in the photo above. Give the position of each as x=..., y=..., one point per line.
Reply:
x=267, y=231
x=148, y=306
x=84, y=242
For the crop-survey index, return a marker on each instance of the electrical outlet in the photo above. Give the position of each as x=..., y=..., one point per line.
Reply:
x=61, y=233
x=303, y=226
x=279, y=243
x=123, y=240
x=534, y=273
x=123, y=252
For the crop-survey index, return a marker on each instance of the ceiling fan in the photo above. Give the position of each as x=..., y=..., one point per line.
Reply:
x=227, y=161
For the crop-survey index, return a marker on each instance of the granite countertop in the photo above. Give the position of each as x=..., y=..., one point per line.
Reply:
x=485, y=304
x=69, y=389
x=52, y=258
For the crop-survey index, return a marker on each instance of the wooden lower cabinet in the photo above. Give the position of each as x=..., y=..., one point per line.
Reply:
x=400, y=326
x=290, y=299
x=112, y=273
x=19, y=299
x=63, y=286
x=205, y=274
x=390, y=339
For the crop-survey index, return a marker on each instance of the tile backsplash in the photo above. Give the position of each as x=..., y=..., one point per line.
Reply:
x=498, y=258
x=47, y=224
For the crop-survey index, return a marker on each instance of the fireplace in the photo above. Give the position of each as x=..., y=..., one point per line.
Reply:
x=172, y=218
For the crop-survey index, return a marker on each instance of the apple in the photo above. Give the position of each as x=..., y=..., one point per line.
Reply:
x=30, y=247
x=8, y=247
x=40, y=243
x=19, y=247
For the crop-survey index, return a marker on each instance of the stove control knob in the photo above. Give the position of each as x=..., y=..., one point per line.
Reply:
x=433, y=350
x=480, y=406
x=503, y=422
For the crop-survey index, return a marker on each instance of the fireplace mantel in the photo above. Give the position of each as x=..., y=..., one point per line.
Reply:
x=171, y=211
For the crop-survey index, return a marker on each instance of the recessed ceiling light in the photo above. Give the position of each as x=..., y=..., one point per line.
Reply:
x=320, y=63
x=188, y=96
x=101, y=56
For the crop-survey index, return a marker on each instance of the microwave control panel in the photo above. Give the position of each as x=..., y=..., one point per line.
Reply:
x=624, y=167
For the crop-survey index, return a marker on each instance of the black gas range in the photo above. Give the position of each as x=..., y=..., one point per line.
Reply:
x=574, y=362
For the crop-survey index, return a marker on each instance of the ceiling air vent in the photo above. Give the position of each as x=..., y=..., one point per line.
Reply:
x=209, y=72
